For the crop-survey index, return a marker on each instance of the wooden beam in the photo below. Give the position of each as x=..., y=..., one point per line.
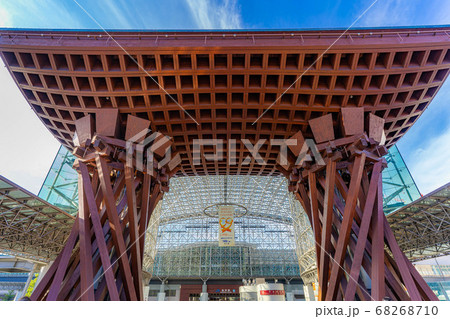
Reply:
x=85, y=128
x=107, y=122
x=160, y=144
x=43, y=285
x=96, y=225
x=62, y=267
x=136, y=128
x=363, y=233
x=326, y=228
x=352, y=120
x=86, y=272
x=116, y=230
x=402, y=263
x=378, y=276
x=344, y=231
x=298, y=140
x=322, y=128
x=136, y=262
x=376, y=127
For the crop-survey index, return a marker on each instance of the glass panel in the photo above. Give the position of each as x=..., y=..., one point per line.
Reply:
x=60, y=187
x=399, y=188
x=187, y=239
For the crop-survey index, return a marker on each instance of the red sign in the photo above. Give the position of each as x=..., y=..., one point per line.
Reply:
x=271, y=292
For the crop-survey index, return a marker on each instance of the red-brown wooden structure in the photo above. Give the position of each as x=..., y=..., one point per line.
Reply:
x=355, y=94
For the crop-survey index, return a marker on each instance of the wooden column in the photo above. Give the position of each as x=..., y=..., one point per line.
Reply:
x=342, y=195
x=102, y=258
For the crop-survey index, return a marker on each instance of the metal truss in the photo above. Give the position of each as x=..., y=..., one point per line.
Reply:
x=151, y=238
x=422, y=228
x=304, y=242
x=186, y=241
x=30, y=227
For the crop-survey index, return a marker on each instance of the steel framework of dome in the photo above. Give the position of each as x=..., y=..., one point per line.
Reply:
x=186, y=240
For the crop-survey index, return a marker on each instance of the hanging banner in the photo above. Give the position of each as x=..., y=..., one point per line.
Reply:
x=226, y=226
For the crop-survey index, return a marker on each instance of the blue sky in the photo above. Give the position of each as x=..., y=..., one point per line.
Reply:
x=423, y=147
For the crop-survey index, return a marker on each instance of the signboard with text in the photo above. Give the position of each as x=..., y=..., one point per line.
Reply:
x=226, y=226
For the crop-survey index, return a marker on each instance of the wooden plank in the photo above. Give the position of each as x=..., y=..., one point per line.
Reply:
x=174, y=162
x=343, y=189
x=136, y=262
x=73, y=275
x=364, y=189
x=352, y=120
x=85, y=128
x=361, y=290
x=84, y=229
x=376, y=127
x=393, y=278
x=283, y=161
x=322, y=128
x=160, y=144
x=424, y=288
x=102, y=289
x=136, y=128
x=43, y=285
x=402, y=263
x=107, y=122
x=339, y=142
x=378, y=276
x=345, y=229
x=326, y=228
x=299, y=140
x=363, y=232
x=62, y=267
x=99, y=235
x=72, y=278
x=116, y=228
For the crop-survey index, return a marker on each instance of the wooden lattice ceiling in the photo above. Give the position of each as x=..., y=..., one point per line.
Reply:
x=226, y=80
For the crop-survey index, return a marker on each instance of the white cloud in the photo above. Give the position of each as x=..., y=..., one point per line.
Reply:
x=215, y=15
x=39, y=14
x=431, y=165
x=407, y=12
x=27, y=147
x=388, y=13
x=112, y=11
x=5, y=18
